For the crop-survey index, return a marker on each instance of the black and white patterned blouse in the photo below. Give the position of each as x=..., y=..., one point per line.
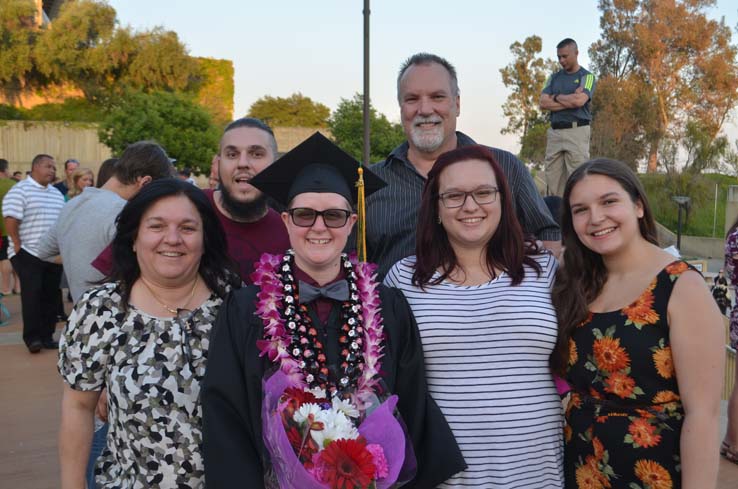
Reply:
x=152, y=368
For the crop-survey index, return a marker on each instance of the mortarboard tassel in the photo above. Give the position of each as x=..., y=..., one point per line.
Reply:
x=361, y=226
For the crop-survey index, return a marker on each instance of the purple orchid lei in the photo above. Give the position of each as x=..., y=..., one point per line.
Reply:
x=276, y=342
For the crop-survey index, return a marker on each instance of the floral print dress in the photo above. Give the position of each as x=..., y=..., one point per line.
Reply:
x=731, y=269
x=624, y=420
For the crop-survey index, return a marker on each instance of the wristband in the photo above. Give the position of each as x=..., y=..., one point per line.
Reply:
x=556, y=97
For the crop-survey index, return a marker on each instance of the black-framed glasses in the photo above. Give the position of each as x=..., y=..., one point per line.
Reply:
x=184, y=320
x=305, y=217
x=457, y=198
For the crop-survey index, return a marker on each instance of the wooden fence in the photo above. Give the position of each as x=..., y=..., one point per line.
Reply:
x=20, y=141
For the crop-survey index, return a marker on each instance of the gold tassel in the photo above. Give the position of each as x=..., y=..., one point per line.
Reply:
x=361, y=226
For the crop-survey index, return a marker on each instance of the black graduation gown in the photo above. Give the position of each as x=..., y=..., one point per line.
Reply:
x=232, y=393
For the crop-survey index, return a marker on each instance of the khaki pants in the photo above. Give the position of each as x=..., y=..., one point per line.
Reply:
x=565, y=150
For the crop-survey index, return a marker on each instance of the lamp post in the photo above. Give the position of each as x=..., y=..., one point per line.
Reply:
x=683, y=203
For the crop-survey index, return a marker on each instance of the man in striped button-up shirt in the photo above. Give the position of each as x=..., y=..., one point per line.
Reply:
x=30, y=208
x=428, y=94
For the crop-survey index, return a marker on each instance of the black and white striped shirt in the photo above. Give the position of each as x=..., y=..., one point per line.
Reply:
x=392, y=212
x=486, y=353
x=37, y=207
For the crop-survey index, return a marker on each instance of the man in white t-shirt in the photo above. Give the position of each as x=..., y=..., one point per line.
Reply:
x=30, y=208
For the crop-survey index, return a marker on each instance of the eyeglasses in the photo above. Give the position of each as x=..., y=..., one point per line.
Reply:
x=454, y=199
x=305, y=217
x=184, y=320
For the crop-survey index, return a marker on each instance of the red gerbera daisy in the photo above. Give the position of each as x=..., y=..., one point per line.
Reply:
x=347, y=464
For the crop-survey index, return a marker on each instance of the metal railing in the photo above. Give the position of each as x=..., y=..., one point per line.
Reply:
x=730, y=359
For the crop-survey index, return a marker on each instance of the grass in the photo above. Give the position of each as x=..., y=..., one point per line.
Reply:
x=661, y=188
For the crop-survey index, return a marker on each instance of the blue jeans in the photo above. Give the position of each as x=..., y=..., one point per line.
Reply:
x=99, y=439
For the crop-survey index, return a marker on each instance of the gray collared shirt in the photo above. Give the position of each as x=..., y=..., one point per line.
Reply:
x=392, y=212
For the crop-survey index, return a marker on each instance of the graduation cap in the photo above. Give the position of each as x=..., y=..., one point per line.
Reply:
x=318, y=165
x=315, y=165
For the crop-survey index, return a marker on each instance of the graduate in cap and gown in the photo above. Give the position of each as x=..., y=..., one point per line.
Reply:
x=318, y=320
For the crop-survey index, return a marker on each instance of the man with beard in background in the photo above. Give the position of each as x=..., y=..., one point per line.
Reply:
x=252, y=228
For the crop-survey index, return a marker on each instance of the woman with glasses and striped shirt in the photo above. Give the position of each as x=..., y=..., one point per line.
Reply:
x=481, y=294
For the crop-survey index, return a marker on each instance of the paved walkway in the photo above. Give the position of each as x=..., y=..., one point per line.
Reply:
x=30, y=399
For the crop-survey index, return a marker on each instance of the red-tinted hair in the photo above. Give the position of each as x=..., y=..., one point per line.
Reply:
x=507, y=249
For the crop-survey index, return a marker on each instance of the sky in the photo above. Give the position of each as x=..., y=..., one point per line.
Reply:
x=280, y=47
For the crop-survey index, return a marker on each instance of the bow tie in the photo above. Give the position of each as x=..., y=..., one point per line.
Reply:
x=337, y=290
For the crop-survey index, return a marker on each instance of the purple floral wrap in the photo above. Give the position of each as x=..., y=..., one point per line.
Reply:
x=380, y=427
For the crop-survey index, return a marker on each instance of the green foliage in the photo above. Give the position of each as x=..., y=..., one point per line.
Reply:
x=216, y=90
x=75, y=49
x=660, y=189
x=525, y=77
x=181, y=126
x=17, y=39
x=10, y=113
x=296, y=110
x=86, y=49
x=347, y=126
x=533, y=143
x=159, y=61
x=71, y=110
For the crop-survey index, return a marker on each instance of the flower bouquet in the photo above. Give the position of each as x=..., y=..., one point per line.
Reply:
x=316, y=443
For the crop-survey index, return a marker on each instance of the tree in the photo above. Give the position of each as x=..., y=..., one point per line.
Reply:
x=18, y=35
x=347, y=126
x=85, y=49
x=526, y=77
x=620, y=111
x=181, y=126
x=74, y=49
x=684, y=61
x=159, y=61
x=296, y=110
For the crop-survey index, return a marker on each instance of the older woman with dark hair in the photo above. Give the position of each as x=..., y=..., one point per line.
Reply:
x=144, y=334
x=481, y=294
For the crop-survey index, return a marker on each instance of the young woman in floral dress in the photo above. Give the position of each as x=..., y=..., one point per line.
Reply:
x=640, y=341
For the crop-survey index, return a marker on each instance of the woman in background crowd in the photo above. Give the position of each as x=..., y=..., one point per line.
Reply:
x=640, y=342
x=144, y=335
x=481, y=294
x=81, y=178
x=729, y=447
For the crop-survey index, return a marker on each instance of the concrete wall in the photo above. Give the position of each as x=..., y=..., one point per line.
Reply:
x=20, y=141
x=692, y=246
x=289, y=137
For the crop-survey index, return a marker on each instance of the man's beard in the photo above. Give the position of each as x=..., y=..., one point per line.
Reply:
x=250, y=211
x=426, y=141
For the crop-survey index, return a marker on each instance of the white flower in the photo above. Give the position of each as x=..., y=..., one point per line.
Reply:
x=344, y=406
x=307, y=409
x=317, y=392
x=336, y=426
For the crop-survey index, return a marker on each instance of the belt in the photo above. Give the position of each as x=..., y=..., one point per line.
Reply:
x=569, y=125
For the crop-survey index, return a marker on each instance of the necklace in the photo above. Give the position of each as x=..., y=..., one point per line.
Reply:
x=172, y=310
x=291, y=340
